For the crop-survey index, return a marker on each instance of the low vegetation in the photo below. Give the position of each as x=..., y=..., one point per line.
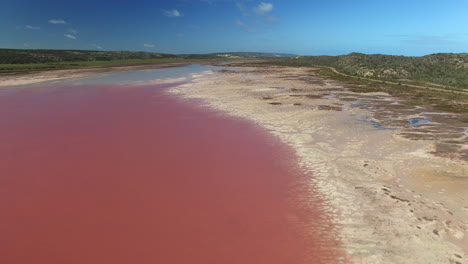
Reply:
x=440, y=99
x=439, y=75
x=444, y=70
x=26, y=60
x=83, y=64
x=238, y=55
x=18, y=56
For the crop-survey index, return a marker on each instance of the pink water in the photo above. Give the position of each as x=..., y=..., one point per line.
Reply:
x=114, y=175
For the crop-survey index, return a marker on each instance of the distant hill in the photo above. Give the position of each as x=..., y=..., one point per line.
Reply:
x=27, y=56
x=237, y=55
x=447, y=69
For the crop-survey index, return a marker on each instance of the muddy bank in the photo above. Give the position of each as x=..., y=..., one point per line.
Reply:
x=394, y=177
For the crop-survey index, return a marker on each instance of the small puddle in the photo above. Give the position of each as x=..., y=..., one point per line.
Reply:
x=421, y=121
x=374, y=123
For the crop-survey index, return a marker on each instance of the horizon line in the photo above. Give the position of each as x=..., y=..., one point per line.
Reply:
x=227, y=52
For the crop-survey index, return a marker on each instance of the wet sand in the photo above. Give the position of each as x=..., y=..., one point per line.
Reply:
x=129, y=174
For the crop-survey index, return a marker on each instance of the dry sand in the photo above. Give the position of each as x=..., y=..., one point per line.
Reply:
x=393, y=199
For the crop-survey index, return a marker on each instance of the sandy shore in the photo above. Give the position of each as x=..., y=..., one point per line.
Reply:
x=394, y=198
x=398, y=193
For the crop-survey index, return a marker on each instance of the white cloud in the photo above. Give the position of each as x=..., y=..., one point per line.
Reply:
x=263, y=8
x=57, y=21
x=32, y=27
x=172, y=13
x=73, y=31
x=148, y=45
x=68, y=36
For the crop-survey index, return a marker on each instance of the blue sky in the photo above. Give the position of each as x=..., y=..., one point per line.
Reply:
x=400, y=27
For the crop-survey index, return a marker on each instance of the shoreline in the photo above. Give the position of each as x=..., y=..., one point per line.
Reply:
x=391, y=197
x=37, y=76
x=33, y=77
x=135, y=168
x=392, y=200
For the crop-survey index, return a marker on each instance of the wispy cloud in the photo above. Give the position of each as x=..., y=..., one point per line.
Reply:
x=240, y=23
x=172, y=13
x=245, y=26
x=57, y=21
x=254, y=16
x=96, y=46
x=148, y=45
x=192, y=26
x=214, y=2
x=180, y=35
x=271, y=20
x=73, y=31
x=242, y=9
x=263, y=8
x=32, y=27
x=211, y=2
x=68, y=36
x=427, y=40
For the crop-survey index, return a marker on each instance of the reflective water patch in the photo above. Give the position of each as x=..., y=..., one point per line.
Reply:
x=422, y=121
